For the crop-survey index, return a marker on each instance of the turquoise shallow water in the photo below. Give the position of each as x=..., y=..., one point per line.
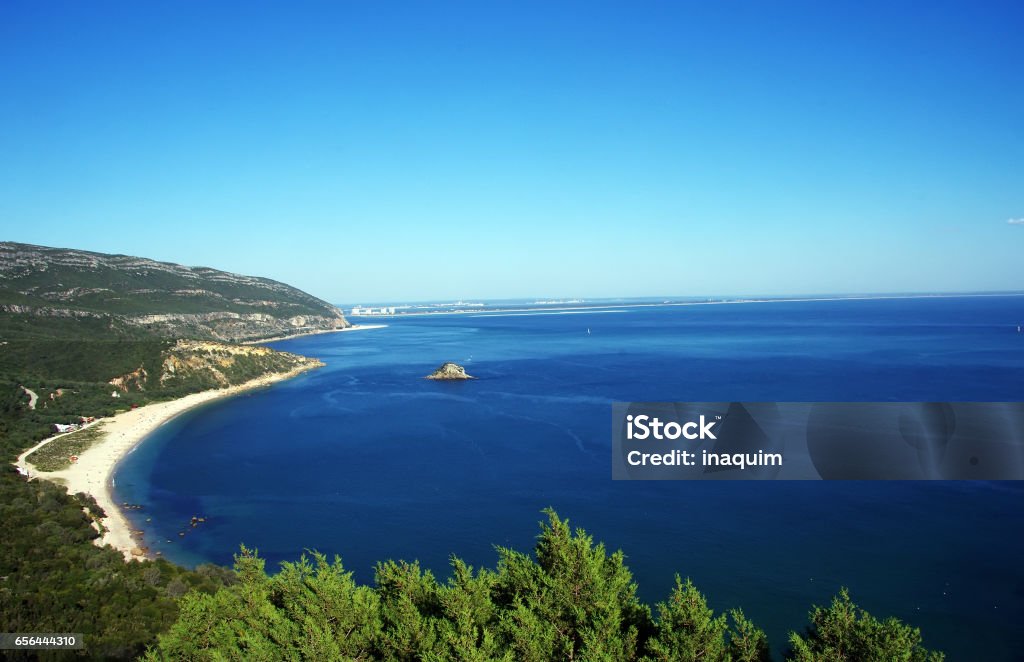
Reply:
x=365, y=459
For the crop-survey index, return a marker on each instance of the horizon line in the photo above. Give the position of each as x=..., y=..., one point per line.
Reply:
x=698, y=299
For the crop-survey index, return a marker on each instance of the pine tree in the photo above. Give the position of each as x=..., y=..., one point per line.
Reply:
x=747, y=642
x=335, y=618
x=468, y=622
x=843, y=632
x=688, y=630
x=575, y=588
x=409, y=606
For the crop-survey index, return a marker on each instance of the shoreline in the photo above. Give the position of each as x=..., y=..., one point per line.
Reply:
x=619, y=306
x=302, y=334
x=93, y=471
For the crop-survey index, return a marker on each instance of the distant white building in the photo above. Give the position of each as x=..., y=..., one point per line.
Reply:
x=363, y=311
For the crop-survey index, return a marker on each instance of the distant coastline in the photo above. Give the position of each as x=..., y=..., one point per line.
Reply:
x=540, y=309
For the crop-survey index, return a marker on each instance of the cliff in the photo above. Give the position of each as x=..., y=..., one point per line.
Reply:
x=210, y=364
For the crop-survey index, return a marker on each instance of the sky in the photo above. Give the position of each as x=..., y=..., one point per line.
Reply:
x=383, y=151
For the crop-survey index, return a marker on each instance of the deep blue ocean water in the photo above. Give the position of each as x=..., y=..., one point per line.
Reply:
x=366, y=459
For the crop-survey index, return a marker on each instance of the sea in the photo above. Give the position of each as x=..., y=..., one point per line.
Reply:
x=367, y=460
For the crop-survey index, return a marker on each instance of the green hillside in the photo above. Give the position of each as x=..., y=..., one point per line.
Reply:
x=70, y=293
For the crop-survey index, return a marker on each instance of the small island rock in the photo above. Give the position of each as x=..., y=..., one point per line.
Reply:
x=450, y=370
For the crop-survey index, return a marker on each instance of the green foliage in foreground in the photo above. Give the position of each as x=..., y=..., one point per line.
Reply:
x=571, y=601
x=54, y=579
x=844, y=632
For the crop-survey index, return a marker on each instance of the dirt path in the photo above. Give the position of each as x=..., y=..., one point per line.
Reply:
x=26, y=468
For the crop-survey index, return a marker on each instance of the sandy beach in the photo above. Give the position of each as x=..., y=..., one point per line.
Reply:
x=354, y=327
x=92, y=472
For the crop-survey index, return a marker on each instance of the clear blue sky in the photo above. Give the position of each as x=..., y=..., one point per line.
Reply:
x=392, y=151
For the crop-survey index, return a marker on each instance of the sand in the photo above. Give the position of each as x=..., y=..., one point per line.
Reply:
x=92, y=473
x=354, y=327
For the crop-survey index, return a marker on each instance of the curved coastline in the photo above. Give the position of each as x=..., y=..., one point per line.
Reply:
x=93, y=472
